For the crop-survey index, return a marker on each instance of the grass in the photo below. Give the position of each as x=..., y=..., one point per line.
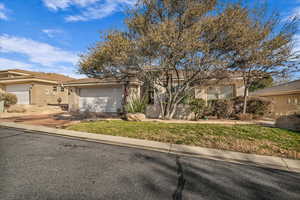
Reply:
x=243, y=138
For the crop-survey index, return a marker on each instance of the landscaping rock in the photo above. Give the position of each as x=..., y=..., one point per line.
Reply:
x=135, y=117
x=291, y=122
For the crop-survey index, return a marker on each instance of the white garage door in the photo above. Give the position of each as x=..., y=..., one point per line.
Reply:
x=21, y=91
x=100, y=99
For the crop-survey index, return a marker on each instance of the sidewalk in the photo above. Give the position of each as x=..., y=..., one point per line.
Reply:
x=264, y=161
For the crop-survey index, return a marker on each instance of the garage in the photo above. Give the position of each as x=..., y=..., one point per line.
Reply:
x=100, y=100
x=21, y=91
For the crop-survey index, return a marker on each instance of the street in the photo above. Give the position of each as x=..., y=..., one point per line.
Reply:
x=40, y=166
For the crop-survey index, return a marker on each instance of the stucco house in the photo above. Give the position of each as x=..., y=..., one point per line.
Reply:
x=35, y=88
x=106, y=95
x=285, y=98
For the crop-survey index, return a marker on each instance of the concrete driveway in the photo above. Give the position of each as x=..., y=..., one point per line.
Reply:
x=38, y=166
x=50, y=120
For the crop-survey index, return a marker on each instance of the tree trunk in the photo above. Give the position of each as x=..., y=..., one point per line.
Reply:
x=173, y=111
x=245, y=100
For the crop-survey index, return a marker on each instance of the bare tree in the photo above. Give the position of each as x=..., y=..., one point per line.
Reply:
x=258, y=45
x=166, y=45
x=177, y=45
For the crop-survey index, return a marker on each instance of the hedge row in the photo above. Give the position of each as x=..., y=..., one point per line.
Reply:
x=233, y=108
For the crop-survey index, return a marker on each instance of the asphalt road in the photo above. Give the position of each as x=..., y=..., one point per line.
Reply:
x=38, y=166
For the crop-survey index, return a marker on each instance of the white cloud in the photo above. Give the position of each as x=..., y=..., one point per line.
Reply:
x=12, y=64
x=89, y=9
x=37, y=52
x=52, y=32
x=96, y=12
x=3, y=12
x=102, y=10
x=63, y=4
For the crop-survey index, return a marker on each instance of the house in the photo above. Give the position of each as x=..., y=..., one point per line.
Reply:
x=36, y=88
x=285, y=98
x=226, y=88
x=106, y=95
x=99, y=95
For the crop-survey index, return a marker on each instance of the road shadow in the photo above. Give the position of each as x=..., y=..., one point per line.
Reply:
x=193, y=178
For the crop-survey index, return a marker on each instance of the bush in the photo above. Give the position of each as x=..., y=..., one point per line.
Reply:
x=258, y=107
x=137, y=105
x=221, y=108
x=197, y=106
x=9, y=99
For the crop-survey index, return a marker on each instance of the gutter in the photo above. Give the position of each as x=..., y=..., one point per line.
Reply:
x=184, y=150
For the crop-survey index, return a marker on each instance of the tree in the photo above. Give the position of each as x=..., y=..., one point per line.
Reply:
x=258, y=45
x=177, y=45
x=262, y=83
x=167, y=46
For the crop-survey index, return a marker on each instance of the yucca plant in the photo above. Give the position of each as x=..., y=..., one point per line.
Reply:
x=137, y=104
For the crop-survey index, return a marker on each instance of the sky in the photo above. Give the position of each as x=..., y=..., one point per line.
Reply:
x=49, y=35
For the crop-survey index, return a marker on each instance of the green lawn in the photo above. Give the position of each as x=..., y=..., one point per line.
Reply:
x=243, y=138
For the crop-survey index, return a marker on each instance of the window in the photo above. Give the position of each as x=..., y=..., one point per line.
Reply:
x=296, y=101
x=62, y=89
x=221, y=92
x=212, y=93
x=54, y=88
x=289, y=101
x=226, y=92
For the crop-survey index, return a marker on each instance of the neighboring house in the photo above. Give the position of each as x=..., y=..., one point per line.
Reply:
x=34, y=88
x=99, y=95
x=285, y=98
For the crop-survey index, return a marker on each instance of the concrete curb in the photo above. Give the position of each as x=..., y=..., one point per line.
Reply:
x=252, y=159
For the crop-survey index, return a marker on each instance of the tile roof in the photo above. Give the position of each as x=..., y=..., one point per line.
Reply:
x=293, y=86
x=42, y=75
x=91, y=80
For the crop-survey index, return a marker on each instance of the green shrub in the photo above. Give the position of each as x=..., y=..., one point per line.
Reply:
x=198, y=107
x=259, y=106
x=9, y=99
x=137, y=105
x=222, y=108
x=256, y=106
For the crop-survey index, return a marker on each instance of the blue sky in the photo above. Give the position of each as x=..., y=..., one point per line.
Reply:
x=48, y=35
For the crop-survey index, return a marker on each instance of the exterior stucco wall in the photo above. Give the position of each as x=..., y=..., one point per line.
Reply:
x=43, y=94
x=201, y=92
x=73, y=99
x=134, y=92
x=183, y=112
x=285, y=104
